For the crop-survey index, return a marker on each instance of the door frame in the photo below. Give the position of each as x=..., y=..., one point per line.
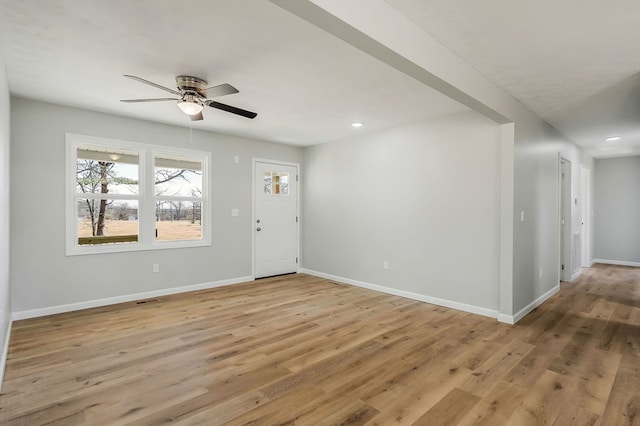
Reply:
x=255, y=160
x=564, y=234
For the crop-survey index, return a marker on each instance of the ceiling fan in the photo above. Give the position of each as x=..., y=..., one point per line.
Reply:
x=192, y=96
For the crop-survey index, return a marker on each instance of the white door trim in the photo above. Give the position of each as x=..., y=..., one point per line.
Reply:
x=564, y=233
x=253, y=209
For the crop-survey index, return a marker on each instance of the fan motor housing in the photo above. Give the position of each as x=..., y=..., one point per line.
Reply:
x=187, y=83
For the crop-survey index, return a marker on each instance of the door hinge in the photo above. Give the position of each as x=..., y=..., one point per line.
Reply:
x=296, y=178
x=563, y=267
x=296, y=260
x=296, y=219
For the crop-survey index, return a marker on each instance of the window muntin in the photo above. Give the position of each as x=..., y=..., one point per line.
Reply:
x=111, y=209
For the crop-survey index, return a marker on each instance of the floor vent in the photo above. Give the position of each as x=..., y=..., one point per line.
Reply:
x=142, y=302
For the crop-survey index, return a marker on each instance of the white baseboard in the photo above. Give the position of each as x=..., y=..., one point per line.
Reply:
x=617, y=262
x=512, y=319
x=409, y=295
x=507, y=319
x=576, y=274
x=33, y=313
x=5, y=350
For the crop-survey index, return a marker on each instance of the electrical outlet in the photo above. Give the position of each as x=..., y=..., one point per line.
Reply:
x=385, y=265
x=156, y=267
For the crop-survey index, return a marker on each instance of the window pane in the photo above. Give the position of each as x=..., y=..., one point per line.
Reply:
x=276, y=183
x=283, y=187
x=177, y=176
x=107, y=221
x=178, y=220
x=267, y=182
x=106, y=171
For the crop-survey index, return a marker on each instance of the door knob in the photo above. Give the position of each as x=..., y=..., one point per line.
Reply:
x=258, y=229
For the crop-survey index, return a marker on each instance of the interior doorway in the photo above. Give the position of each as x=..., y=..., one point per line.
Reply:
x=564, y=182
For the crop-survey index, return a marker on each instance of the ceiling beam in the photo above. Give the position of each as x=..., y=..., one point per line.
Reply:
x=374, y=27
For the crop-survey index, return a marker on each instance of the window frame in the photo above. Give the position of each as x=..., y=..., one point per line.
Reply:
x=146, y=196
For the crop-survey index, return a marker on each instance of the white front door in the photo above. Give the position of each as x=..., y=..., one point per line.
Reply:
x=275, y=226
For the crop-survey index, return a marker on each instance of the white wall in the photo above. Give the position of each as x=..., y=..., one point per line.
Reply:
x=5, y=305
x=424, y=197
x=617, y=210
x=42, y=276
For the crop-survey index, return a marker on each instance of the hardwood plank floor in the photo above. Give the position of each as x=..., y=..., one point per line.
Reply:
x=307, y=351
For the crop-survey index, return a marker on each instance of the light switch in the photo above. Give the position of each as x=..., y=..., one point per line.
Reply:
x=235, y=212
x=521, y=215
x=236, y=159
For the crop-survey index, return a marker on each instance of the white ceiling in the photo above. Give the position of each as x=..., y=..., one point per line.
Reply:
x=306, y=86
x=575, y=63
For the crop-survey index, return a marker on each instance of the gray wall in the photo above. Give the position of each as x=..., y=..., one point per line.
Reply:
x=533, y=264
x=41, y=274
x=436, y=219
x=616, y=200
x=424, y=197
x=5, y=306
x=536, y=240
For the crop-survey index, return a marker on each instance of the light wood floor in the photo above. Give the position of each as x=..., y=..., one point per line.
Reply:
x=307, y=351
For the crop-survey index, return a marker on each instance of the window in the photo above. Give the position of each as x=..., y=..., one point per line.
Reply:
x=178, y=198
x=276, y=183
x=124, y=196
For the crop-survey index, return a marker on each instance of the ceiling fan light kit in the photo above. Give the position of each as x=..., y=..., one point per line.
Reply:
x=192, y=95
x=189, y=105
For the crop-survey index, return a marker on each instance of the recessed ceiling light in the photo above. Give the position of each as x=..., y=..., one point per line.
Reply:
x=613, y=138
x=356, y=124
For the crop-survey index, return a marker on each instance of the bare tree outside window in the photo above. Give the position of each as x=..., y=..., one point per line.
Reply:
x=114, y=185
x=178, y=200
x=110, y=177
x=94, y=177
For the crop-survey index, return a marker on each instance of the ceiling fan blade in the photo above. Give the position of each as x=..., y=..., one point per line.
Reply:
x=150, y=83
x=231, y=109
x=149, y=100
x=220, y=90
x=196, y=117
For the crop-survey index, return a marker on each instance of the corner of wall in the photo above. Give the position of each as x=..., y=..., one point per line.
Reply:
x=507, y=142
x=5, y=136
x=5, y=351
